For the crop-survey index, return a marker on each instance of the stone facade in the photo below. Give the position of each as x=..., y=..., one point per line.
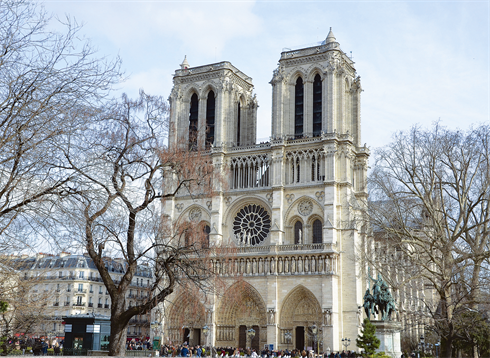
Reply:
x=290, y=206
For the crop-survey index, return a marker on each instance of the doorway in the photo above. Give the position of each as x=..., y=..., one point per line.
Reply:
x=242, y=336
x=255, y=344
x=196, y=337
x=185, y=339
x=300, y=337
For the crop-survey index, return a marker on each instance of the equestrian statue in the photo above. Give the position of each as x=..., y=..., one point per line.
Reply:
x=380, y=302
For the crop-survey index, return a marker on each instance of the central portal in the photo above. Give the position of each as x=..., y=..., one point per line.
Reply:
x=300, y=338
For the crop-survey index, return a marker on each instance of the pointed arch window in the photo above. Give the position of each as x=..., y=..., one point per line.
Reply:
x=298, y=108
x=239, y=113
x=317, y=106
x=298, y=171
x=206, y=231
x=298, y=232
x=317, y=232
x=210, y=113
x=193, y=116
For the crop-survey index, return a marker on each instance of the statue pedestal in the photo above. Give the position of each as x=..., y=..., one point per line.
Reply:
x=388, y=333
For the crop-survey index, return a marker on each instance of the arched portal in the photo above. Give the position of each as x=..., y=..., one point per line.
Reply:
x=241, y=308
x=185, y=319
x=299, y=312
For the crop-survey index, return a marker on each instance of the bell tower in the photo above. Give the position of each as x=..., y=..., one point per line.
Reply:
x=316, y=90
x=212, y=106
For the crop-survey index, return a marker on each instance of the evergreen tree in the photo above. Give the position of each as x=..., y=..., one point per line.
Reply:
x=368, y=340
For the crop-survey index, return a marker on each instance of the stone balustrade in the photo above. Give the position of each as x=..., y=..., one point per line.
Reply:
x=308, y=259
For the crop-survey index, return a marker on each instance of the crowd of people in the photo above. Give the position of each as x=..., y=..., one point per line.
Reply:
x=40, y=347
x=185, y=350
x=138, y=346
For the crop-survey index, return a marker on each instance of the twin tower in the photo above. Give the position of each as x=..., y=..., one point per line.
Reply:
x=315, y=90
x=289, y=208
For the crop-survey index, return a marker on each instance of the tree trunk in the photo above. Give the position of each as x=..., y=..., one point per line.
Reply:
x=119, y=327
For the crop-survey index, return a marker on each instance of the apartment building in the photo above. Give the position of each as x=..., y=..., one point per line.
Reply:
x=67, y=284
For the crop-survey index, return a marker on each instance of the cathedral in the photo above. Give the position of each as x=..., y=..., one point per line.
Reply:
x=290, y=206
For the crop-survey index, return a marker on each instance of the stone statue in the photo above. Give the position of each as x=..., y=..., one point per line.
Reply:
x=380, y=302
x=272, y=314
x=369, y=305
x=327, y=317
x=300, y=236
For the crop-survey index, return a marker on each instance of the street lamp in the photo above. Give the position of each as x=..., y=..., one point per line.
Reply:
x=346, y=342
x=154, y=325
x=251, y=335
x=288, y=337
x=437, y=349
x=314, y=331
x=205, y=330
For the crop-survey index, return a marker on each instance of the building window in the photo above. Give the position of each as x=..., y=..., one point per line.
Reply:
x=298, y=171
x=298, y=232
x=251, y=225
x=100, y=290
x=193, y=118
x=206, y=230
x=317, y=106
x=81, y=274
x=79, y=300
x=210, y=114
x=298, y=108
x=239, y=113
x=80, y=287
x=317, y=232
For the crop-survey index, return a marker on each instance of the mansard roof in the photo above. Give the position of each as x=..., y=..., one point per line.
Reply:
x=43, y=261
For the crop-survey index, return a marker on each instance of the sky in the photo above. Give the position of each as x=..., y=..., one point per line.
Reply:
x=419, y=61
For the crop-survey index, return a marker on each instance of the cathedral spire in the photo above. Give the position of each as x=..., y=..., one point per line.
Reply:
x=331, y=42
x=330, y=37
x=184, y=65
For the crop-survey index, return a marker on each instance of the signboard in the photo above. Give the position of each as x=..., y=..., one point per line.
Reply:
x=67, y=327
x=271, y=347
x=93, y=328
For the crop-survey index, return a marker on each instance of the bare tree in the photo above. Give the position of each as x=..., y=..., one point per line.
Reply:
x=44, y=78
x=122, y=170
x=23, y=306
x=429, y=197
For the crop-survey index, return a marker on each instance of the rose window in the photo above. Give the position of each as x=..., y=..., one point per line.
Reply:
x=252, y=224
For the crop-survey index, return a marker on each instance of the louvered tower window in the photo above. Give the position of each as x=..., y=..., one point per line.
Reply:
x=193, y=115
x=238, y=125
x=210, y=109
x=317, y=106
x=298, y=108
